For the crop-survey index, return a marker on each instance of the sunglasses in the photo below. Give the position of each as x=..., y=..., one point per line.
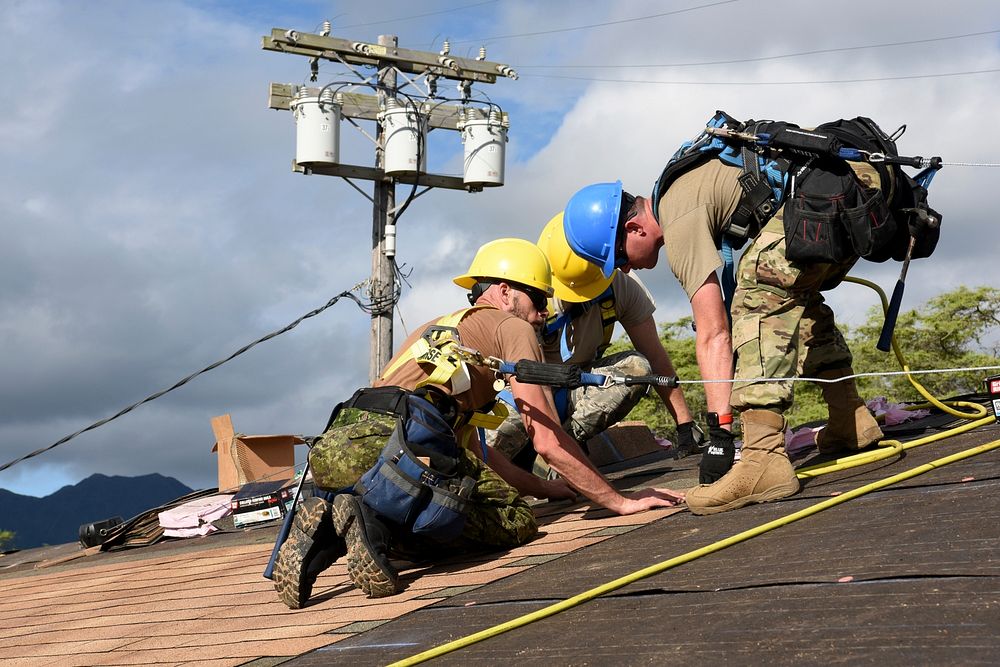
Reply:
x=627, y=212
x=539, y=299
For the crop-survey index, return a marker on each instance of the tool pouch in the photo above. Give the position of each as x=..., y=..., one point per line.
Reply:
x=414, y=482
x=831, y=218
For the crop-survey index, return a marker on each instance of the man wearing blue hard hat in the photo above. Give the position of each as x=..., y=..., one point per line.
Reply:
x=811, y=204
x=612, y=229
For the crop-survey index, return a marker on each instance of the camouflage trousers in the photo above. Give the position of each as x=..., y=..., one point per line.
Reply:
x=497, y=514
x=590, y=410
x=782, y=327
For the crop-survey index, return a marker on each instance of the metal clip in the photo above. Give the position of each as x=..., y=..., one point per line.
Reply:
x=726, y=133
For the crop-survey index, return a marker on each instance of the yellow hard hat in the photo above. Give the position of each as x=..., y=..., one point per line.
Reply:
x=573, y=278
x=510, y=260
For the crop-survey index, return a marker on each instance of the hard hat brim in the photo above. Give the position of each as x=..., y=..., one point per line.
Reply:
x=580, y=294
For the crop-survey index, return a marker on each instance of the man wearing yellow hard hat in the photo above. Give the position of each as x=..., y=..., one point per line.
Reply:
x=582, y=317
x=400, y=468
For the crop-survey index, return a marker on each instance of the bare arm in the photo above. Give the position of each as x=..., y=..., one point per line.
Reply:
x=564, y=455
x=713, y=343
x=646, y=341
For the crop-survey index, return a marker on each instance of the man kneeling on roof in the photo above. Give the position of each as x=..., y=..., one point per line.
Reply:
x=427, y=487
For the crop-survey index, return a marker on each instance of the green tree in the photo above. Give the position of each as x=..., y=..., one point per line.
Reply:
x=952, y=330
x=5, y=537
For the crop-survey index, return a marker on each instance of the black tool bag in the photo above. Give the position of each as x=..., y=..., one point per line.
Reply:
x=831, y=217
x=905, y=199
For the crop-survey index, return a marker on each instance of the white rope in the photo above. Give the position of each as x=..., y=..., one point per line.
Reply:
x=971, y=164
x=846, y=377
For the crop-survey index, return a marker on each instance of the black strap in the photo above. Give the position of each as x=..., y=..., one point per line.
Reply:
x=383, y=400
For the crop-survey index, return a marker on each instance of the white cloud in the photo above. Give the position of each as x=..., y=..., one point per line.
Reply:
x=152, y=224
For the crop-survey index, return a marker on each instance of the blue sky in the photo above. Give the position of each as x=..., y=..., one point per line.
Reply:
x=152, y=225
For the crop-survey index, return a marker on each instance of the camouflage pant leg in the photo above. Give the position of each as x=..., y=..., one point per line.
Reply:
x=349, y=448
x=498, y=515
x=781, y=325
x=593, y=409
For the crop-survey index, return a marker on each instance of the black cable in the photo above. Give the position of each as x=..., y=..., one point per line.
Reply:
x=417, y=16
x=768, y=83
x=346, y=294
x=597, y=25
x=764, y=58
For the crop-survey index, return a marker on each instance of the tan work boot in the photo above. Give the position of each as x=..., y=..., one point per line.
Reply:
x=851, y=426
x=763, y=472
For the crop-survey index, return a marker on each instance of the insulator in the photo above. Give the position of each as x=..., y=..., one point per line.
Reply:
x=325, y=32
x=362, y=48
x=482, y=53
x=327, y=97
x=390, y=240
x=292, y=36
x=446, y=48
x=507, y=71
x=450, y=63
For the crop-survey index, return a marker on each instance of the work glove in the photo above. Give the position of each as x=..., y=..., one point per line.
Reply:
x=718, y=456
x=690, y=439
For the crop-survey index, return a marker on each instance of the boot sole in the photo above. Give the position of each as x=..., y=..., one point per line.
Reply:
x=364, y=570
x=289, y=566
x=774, y=493
x=291, y=578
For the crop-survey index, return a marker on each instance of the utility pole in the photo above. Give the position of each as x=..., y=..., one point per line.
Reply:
x=383, y=215
x=402, y=118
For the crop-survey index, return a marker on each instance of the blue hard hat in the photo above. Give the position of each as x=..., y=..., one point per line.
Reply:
x=591, y=223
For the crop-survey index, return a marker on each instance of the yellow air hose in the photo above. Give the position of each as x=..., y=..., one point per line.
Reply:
x=890, y=448
x=887, y=448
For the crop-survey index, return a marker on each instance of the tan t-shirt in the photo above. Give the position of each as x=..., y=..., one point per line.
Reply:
x=692, y=213
x=585, y=330
x=492, y=332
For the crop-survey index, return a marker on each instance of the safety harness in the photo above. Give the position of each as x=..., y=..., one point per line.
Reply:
x=559, y=324
x=830, y=218
x=437, y=347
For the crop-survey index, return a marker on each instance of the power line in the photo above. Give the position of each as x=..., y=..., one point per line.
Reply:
x=766, y=83
x=595, y=25
x=766, y=58
x=346, y=294
x=417, y=16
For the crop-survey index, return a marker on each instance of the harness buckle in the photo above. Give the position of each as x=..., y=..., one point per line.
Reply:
x=436, y=334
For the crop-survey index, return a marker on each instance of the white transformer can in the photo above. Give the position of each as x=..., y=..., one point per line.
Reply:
x=405, y=140
x=485, y=137
x=317, y=128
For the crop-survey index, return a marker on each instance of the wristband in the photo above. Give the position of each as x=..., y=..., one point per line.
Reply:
x=715, y=419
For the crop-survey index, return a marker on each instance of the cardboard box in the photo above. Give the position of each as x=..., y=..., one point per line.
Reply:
x=623, y=441
x=251, y=458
